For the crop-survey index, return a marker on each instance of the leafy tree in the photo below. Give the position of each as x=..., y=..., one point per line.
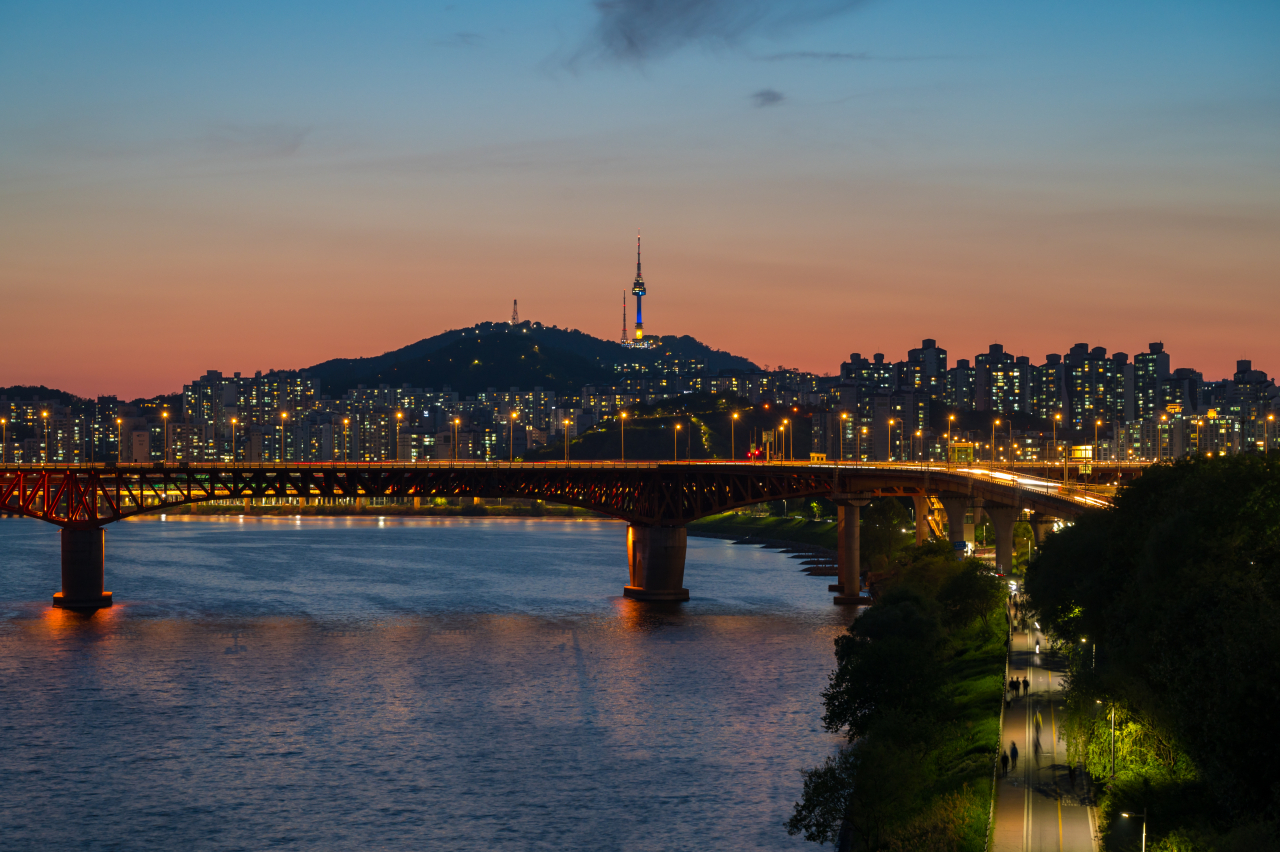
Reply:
x=1177, y=587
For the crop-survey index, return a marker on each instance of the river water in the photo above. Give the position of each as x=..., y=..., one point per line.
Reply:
x=405, y=684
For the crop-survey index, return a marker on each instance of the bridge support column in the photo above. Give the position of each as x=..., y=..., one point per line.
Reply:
x=82, y=578
x=849, y=548
x=1041, y=525
x=956, y=506
x=655, y=559
x=1003, y=518
x=921, y=504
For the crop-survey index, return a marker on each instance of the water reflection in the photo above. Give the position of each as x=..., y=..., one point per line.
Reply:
x=349, y=685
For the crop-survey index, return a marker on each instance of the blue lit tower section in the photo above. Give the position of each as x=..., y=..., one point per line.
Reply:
x=637, y=290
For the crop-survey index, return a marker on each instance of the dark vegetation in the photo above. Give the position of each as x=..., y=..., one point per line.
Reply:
x=917, y=691
x=1168, y=606
x=567, y=359
x=883, y=522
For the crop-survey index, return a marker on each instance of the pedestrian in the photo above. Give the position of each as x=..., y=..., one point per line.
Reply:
x=1026, y=686
x=1013, y=684
x=1004, y=764
x=1013, y=754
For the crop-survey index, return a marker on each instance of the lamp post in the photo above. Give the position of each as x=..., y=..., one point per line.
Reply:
x=844, y=416
x=920, y=457
x=399, y=420
x=234, y=455
x=164, y=415
x=1266, y=431
x=785, y=434
x=1096, y=424
x=119, y=439
x=457, y=423
x=4, y=440
x=346, y=456
x=782, y=432
x=675, y=445
x=511, y=437
x=733, y=443
x=566, y=441
x=284, y=415
x=1144, y=825
x=44, y=415
x=994, y=424
x=622, y=433
x=1160, y=438
x=951, y=418
x=890, y=439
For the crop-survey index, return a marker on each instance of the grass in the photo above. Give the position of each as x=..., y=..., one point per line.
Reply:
x=816, y=533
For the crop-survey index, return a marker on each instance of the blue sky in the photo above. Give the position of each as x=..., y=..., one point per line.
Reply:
x=1037, y=174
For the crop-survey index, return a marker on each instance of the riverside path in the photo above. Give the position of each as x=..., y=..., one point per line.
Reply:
x=1038, y=807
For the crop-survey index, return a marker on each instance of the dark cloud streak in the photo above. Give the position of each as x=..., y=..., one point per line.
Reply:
x=638, y=30
x=767, y=97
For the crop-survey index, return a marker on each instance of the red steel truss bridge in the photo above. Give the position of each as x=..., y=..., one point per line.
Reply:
x=656, y=499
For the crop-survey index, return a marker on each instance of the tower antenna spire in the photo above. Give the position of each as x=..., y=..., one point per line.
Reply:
x=515, y=312
x=638, y=290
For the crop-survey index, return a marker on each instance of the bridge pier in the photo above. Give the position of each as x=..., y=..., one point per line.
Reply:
x=1003, y=518
x=956, y=506
x=849, y=548
x=655, y=560
x=82, y=575
x=1041, y=526
x=921, y=504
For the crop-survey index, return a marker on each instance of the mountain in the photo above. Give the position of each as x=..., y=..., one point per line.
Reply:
x=501, y=355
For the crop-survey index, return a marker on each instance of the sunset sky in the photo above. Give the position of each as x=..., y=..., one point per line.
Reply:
x=244, y=186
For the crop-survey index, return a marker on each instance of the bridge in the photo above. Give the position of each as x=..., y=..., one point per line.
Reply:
x=656, y=499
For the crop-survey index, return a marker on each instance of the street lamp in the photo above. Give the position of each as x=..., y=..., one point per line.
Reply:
x=1160, y=443
x=346, y=456
x=457, y=423
x=164, y=415
x=1144, y=825
x=234, y=455
x=399, y=419
x=920, y=435
x=994, y=424
x=844, y=415
x=44, y=415
x=951, y=418
x=511, y=437
x=675, y=443
x=785, y=422
x=284, y=415
x=622, y=432
x=1266, y=431
x=1096, y=424
x=566, y=440
x=733, y=444
x=119, y=440
x=4, y=440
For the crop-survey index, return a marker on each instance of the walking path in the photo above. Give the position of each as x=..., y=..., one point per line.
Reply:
x=1038, y=807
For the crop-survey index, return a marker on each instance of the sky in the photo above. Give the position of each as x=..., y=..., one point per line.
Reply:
x=250, y=186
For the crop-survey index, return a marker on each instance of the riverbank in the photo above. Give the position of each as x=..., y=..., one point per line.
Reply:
x=918, y=690
x=749, y=529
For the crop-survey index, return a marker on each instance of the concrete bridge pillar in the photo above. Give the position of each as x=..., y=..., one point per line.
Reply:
x=921, y=503
x=956, y=506
x=1041, y=525
x=655, y=559
x=1003, y=518
x=82, y=576
x=849, y=547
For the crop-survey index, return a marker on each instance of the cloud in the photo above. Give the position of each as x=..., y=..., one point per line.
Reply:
x=638, y=30
x=767, y=97
x=266, y=141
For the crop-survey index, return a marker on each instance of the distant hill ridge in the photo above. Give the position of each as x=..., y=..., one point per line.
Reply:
x=502, y=355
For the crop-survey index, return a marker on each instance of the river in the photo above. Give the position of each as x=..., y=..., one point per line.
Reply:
x=405, y=684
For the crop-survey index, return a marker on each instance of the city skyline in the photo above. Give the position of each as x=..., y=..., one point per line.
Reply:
x=182, y=190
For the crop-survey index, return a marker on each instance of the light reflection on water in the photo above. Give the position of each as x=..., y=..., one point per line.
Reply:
x=357, y=683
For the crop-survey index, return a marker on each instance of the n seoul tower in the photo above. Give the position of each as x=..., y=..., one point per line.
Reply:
x=637, y=290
